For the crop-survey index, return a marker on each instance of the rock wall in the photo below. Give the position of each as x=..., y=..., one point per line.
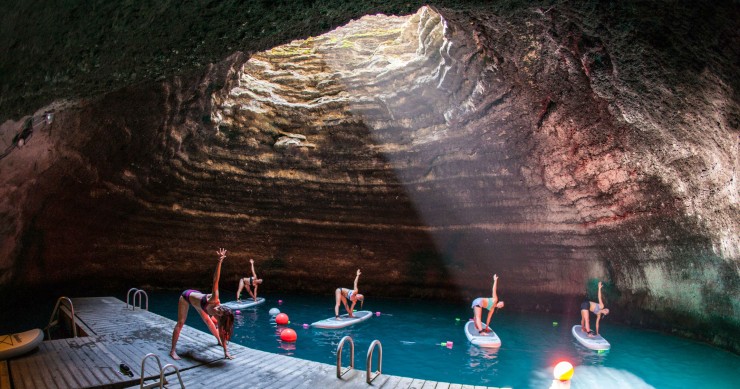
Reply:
x=431, y=151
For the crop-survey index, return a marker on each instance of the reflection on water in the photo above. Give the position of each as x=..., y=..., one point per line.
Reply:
x=593, y=377
x=483, y=359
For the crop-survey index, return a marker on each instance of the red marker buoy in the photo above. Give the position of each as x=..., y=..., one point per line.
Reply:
x=281, y=319
x=288, y=335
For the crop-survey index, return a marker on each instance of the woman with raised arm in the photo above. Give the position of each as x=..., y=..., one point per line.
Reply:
x=489, y=303
x=206, y=305
x=344, y=294
x=597, y=309
x=248, y=283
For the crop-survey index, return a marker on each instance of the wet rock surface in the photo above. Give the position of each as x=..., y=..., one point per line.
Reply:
x=432, y=150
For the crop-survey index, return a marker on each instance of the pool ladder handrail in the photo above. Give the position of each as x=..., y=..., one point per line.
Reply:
x=370, y=377
x=162, y=370
x=54, y=322
x=340, y=373
x=137, y=292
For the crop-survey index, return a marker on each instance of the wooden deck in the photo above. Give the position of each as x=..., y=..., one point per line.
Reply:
x=117, y=335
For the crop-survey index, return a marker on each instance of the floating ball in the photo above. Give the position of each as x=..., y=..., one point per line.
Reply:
x=281, y=319
x=563, y=371
x=280, y=302
x=457, y=319
x=554, y=324
x=238, y=312
x=305, y=326
x=288, y=335
x=449, y=344
x=274, y=311
x=377, y=313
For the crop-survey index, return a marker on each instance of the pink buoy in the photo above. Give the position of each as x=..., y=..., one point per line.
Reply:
x=238, y=312
x=449, y=344
x=305, y=326
x=280, y=302
x=288, y=335
x=281, y=319
x=377, y=313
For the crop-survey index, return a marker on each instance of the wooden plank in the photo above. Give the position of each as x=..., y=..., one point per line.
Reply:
x=83, y=371
x=430, y=385
x=20, y=372
x=66, y=365
x=455, y=386
x=40, y=379
x=442, y=385
x=4, y=375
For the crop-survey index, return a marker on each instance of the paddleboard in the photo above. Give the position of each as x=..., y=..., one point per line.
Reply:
x=488, y=340
x=244, y=304
x=597, y=342
x=14, y=345
x=345, y=321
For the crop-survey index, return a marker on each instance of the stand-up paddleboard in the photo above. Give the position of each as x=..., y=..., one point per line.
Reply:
x=344, y=320
x=244, y=304
x=14, y=345
x=488, y=340
x=594, y=343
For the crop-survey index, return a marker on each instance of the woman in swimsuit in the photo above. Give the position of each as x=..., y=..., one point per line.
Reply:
x=490, y=303
x=597, y=309
x=247, y=283
x=207, y=305
x=344, y=294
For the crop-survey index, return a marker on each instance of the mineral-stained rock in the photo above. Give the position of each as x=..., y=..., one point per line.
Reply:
x=441, y=148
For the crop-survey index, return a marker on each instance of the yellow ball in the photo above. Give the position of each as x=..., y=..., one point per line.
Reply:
x=563, y=371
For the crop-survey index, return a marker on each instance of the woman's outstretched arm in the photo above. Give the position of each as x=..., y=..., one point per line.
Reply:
x=601, y=302
x=254, y=275
x=357, y=278
x=217, y=274
x=493, y=291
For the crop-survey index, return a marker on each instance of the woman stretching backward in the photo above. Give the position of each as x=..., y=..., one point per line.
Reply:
x=344, y=294
x=206, y=305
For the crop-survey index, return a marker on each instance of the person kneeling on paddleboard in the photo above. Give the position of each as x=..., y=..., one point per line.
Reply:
x=344, y=294
x=597, y=309
x=490, y=303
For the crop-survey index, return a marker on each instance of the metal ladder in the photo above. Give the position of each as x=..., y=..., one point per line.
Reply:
x=55, y=313
x=162, y=370
x=137, y=292
x=369, y=377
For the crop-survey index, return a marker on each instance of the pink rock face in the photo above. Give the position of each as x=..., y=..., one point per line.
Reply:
x=431, y=151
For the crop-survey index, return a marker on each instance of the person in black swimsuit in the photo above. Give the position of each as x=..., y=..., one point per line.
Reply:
x=207, y=305
x=598, y=309
x=248, y=283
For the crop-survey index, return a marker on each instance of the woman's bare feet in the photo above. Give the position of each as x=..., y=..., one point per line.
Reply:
x=174, y=355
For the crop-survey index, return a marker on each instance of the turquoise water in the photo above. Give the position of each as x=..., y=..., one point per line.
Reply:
x=411, y=333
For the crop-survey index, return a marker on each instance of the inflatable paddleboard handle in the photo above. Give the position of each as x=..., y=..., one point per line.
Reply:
x=340, y=373
x=370, y=377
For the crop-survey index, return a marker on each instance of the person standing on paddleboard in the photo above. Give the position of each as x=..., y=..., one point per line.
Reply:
x=249, y=283
x=490, y=303
x=344, y=294
x=597, y=309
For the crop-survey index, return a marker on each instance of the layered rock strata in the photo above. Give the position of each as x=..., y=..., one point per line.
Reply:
x=431, y=151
